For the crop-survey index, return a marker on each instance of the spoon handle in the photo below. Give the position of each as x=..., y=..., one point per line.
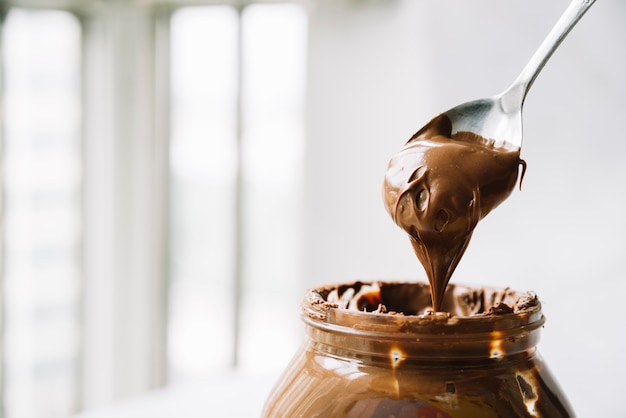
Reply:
x=563, y=26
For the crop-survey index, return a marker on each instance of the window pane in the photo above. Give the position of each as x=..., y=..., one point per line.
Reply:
x=274, y=58
x=203, y=157
x=204, y=147
x=42, y=212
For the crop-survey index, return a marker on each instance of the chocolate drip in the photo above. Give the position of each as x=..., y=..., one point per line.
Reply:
x=439, y=186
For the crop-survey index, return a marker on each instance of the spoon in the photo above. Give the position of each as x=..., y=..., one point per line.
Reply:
x=500, y=117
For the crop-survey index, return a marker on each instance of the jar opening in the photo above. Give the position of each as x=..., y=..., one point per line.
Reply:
x=406, y=307
x=414, y=299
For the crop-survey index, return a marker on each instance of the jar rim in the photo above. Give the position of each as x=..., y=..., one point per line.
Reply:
x=470, y=317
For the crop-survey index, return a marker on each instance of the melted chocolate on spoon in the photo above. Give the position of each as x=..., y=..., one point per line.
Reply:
x=439, y=186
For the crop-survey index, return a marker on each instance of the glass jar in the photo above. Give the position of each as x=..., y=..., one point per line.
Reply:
x=374, y=350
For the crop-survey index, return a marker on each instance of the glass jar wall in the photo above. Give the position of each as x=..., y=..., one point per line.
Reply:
x=375, y=350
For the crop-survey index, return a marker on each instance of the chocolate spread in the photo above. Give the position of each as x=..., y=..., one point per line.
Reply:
x=439, y=186
x=372, y=351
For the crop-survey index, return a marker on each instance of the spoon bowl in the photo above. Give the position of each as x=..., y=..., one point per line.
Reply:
x=500, y=117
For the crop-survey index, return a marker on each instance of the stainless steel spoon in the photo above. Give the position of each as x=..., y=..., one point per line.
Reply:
x=500, y=117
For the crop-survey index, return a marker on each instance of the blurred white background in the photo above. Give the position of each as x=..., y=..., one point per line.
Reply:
x=170, y=167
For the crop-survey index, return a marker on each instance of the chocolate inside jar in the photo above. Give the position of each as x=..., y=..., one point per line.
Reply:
x=414, y=298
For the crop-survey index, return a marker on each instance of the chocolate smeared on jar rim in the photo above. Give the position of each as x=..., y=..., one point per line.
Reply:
x=413, y=299
x=439, y=186
x=396, y=317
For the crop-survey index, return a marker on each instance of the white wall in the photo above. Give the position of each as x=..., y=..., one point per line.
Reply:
x=379, y=70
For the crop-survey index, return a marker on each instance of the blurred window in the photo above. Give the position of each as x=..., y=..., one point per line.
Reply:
x=235, y=160
x=42, y=211
x=203, y=169
x=236, y=141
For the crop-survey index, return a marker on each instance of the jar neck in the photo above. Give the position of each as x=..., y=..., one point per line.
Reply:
x=427, y=337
